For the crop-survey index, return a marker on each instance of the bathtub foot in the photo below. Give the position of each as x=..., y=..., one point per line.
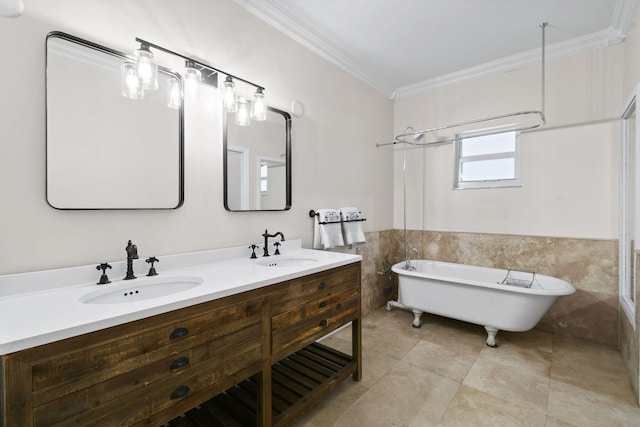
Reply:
x=392, y=303
x=416, y=318
x=491, y=336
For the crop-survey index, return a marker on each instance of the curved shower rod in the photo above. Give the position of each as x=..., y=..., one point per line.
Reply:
x=420, y=135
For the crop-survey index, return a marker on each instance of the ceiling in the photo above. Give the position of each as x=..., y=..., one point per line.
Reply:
x=403, y=47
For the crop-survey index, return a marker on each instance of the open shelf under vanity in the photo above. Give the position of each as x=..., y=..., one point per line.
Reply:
x=298, y=381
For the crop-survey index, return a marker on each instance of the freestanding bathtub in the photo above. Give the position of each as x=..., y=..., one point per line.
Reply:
x=496, y=299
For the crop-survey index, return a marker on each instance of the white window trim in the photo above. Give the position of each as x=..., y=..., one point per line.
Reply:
x=627, y=287
x=489, y=183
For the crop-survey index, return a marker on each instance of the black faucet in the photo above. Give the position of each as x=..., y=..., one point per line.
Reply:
x=104, y=279
x=132, y=253
x=266, y=236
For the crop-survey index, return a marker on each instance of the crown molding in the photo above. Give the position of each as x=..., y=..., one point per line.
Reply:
x=623, y=15
x=567, y=48
x=287, y=23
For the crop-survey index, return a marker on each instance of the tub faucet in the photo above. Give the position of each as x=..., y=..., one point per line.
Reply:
x=266, y=236
x=132, y=253
x=407, y=264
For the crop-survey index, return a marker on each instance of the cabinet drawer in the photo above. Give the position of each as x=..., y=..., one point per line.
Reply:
x=309, y=288
x=324, y=303
x=135, y=395
x=294, y=335
x=80, y=362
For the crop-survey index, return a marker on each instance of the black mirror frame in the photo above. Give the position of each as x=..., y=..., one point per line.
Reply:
x=287, y=118
x=123, y=56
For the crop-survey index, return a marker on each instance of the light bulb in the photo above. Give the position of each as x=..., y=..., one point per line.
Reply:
x=130, y=82
x=243, y=116
x=229, y=96
x=258, y=108
x=147, y=68
x=192, y=78
x=175, y=94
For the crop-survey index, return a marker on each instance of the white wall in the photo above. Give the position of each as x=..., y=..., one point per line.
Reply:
x=335, y=162
x=569, y=174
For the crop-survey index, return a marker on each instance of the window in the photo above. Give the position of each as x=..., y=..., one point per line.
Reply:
x=487, y=160
x=264, y=176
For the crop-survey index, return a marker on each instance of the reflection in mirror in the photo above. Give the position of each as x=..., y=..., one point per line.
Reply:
x=257, y=163
x=105, y=151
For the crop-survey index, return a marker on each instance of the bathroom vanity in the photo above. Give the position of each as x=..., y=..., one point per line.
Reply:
x=252, y=354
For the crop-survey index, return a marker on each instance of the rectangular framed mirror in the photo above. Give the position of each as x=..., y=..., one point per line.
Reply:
x=257, y=163
x=105, y=151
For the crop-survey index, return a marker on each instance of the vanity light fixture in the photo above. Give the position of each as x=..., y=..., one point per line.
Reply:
x=147, y=67
x=258, y=107
x=130, y=82
x=144, y=69
x=243, y=115
x=229, y=100
x=192, y=78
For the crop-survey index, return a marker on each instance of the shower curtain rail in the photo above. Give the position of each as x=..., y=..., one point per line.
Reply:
x=492, y=124
x=399, y=139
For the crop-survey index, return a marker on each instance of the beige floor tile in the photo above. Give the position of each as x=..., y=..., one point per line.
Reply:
x=374, y=364
x=456, y=335
x=471, y=407
x=591, y=367
x=582, y=407
x=399, y=396
x=515, y=385
x=392, y=343
x=539, y=340
x=440, y=360
x=412, y=378
x=332, y=406
x=554, y=422
x=524, y=358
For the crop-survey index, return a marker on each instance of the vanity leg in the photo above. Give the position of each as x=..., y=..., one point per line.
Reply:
x=356, y=347
x=264, y=377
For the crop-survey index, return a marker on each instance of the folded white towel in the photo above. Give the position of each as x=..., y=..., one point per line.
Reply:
x=327, y=233
x=352, y=227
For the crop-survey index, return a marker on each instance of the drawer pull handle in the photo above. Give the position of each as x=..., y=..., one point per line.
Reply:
x=322, y=285
x=179, y=363
x=324, y=323
x=323, y=304
x=178, y=333
x=179, y=392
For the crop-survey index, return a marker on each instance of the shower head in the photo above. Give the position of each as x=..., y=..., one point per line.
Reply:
x=418, y=137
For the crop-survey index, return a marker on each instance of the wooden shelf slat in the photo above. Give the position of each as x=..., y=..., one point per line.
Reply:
x=298, y=381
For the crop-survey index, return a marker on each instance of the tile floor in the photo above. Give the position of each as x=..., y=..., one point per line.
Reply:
x=443, y=374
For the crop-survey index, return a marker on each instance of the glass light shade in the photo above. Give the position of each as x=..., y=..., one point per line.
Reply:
x=243, y=115
x=175, y=93
x=229, y=96
x=147, y=68
x=129, y=81
x=192, y=78
x=258, y=107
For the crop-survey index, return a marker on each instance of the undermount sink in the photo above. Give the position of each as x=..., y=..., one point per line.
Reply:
x=140, y=291
x=285, y=262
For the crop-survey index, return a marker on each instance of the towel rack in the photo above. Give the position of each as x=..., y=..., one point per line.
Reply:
x=313, y=213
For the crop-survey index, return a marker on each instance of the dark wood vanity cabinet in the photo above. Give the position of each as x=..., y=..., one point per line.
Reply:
x=149, y=371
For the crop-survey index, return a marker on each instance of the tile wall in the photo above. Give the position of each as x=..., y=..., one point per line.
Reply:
x=591, y=266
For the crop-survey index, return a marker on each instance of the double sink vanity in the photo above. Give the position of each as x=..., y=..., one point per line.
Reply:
x=215, y=335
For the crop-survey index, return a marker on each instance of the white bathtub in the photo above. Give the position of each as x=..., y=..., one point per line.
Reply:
x=477, y=295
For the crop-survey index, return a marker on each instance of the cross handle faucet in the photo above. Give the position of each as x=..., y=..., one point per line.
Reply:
x=266, y=236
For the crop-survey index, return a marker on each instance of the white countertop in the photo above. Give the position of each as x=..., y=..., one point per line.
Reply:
x=42, y=307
